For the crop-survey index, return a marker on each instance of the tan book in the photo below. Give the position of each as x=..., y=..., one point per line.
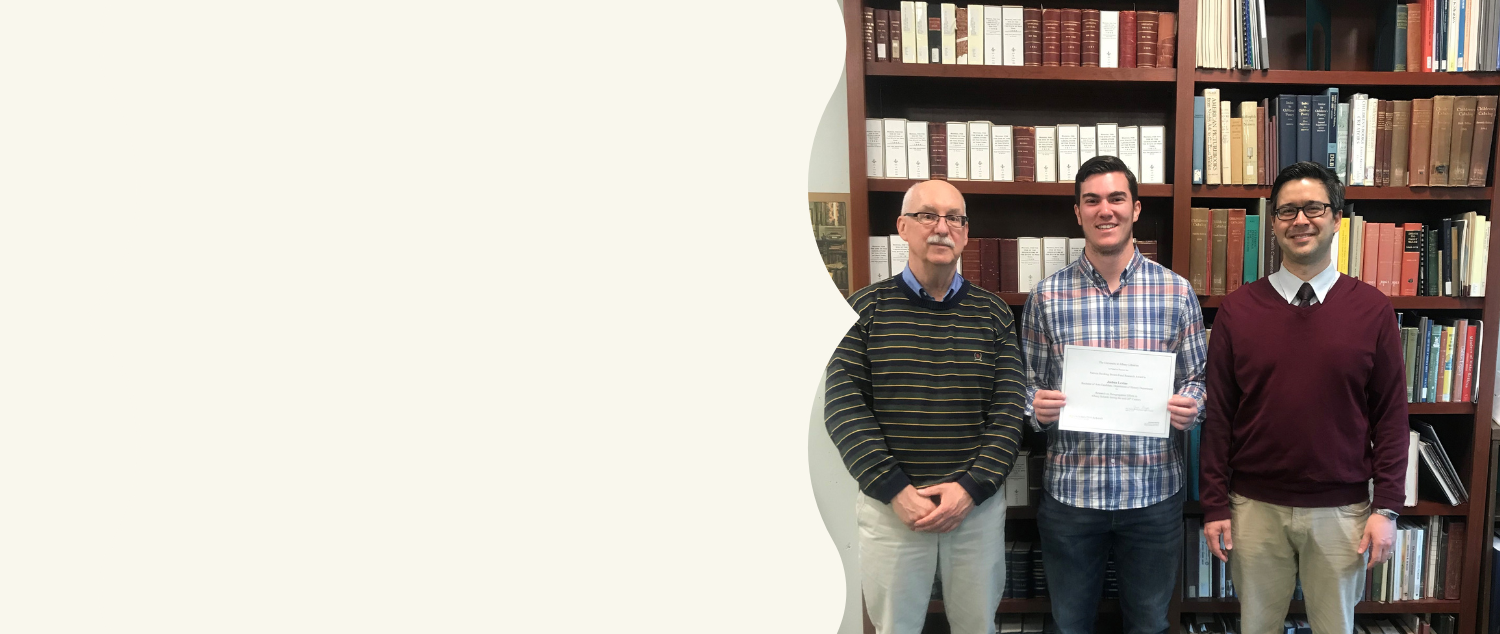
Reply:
x=1421, y=142
x=1211, y=173
x=1198, y=267
x=1400, y=142
x=1484, y=139
x=1463, y=141
x=1236, y=152
x=1247, y=137
x=1442, y=141
x=1220, y=249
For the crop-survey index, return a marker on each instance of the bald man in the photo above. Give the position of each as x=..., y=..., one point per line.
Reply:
x=924, y=402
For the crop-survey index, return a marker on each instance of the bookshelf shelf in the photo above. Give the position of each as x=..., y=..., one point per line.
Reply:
x=1028, y=606
x=1323, y=78
x=1440, y=408
x=1008, y=189
x=1354, y=193
x=1231, y=606
x=1404, y=303
x=1423, y=508
x=1022, y=73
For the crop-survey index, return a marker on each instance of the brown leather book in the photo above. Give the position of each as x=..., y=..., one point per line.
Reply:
x=961, y=35
x=1051, y=37
x=1166, y=40
x=1145, y=39
x=1072, y=37
x=1421, y=142
x=895, y=21
x=1025, y=141
x=986, y=261
x=1463, y=141
x=1010, y=249
x=1220, y=249
x=937, y=150
x=1149, y=250
x=1383, y=144
x=1199, y=253
x=1031, y=21
x=1442, y=141
x=869, y=34
x=1091, y=37
x=971, y=266
x=1234, y=269
x=1400, y=142
x=1262, y=130
x=883, y=35
x=1484, y=139
x=1413, y=37
x=1456, y=535
x=1127, y=39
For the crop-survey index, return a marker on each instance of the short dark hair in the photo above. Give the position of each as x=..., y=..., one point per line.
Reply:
x=1103, y=164
x=1314, y=171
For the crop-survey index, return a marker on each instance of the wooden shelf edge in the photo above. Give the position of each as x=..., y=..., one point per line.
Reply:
x=1440, y=606
x=1025, y=606
x=1344, y=78
x=1353, y=193
x=1003, y=188
x=1423, y=508
x=1032, y=73
x=1399, y=303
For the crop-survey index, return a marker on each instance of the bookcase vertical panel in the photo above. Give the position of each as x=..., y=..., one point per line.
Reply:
x=859, y=199
x=1187, y=51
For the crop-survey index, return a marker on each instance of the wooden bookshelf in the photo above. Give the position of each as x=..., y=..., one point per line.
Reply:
x=1048, y=95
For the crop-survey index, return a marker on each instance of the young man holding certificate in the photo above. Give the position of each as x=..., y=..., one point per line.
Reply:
x=1120, y=485
x=1307, y=404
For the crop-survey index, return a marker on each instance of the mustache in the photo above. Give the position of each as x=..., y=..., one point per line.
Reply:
x=943, y=240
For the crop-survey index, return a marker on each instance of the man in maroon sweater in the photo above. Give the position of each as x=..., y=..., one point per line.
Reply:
x=1306, y=404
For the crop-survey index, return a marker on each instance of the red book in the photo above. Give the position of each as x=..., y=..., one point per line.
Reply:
x=1145, y=39
x=895, y=22
x=1025, y=142
x=1166, y=40
x=1428, y=15
x=1009, y=274
x=1090, y=37
x=937, y=150
x=1385, y=119
x=1032, y=23
x=971, y=264
x=1456, y=535
x=1234, y=270
x=1262, y=130
x=869, y=34
x=1148, y=249
x=1072, y=37
x=1384, y=275
x=1127, y=39
x=1411, y=257
x=1394, y=237
x=883, y=35
x=988, y=262
x=1369, y=272
x=1467, y=395
x=1051, y=37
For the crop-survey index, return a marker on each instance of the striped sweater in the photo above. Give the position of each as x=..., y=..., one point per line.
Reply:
x=923, y=392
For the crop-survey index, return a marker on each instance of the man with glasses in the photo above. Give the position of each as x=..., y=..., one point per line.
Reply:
x=924, y=399
x=1106, y=492
x=1306, y=405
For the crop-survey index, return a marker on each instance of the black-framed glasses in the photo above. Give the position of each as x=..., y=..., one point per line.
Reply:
x=929, y=219
x=1311, y=210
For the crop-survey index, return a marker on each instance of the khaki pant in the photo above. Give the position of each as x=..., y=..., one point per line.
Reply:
x=1274, y=544
x=897, y=566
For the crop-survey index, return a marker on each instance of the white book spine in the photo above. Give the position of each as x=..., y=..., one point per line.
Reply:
x=1002, y=153
x=1355, y=175
x=979, y=151
x=924, y=52
x=908, y=32
x=994, y=40
x=958, y=151
x=1372, y=114
x=895, y=148
x=1247, y=122
x=976, y=34
x=1054, y=255
x=1453, y=26
x=1087, y=146
x=900, y=252
x=1067, y=152
x=874, y=148
x=950, y=33
x=1109, y=139
x=1341, y=157
x=1226, y=160
x=1130, y=148
x=1015, y=35
x=1153, y=154
x=917, y=153
x=880, y=258
x=1028, y=263
x=1075, y=249
x=1109, y=39
x=1211, y=136
x=1046, y=154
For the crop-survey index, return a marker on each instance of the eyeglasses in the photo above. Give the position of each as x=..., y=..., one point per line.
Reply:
x=1311, y=210
x=929, y=219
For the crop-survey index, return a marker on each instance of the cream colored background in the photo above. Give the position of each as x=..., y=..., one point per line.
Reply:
x=412, y=317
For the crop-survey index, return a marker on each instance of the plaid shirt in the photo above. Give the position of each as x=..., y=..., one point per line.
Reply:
x=1154, y=309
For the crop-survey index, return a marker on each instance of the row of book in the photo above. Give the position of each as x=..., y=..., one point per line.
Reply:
x=1201, y=623
x=1232, y=34
x=1442, y=359
x=1444, y=141
x=1231, y=247
x=1025, y=578
x=1024, y=624
x=998, y=265
x=1453, y=36
x=1011, y=35
x=985, y=151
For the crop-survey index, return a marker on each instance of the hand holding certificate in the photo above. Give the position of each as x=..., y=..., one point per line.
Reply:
x=1116, y=391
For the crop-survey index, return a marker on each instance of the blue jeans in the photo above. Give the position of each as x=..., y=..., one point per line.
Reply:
x=1076, y=543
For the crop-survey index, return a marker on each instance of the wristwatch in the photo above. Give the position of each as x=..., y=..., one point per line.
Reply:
x=1388, y=514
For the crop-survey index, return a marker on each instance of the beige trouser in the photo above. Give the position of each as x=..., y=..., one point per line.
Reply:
x=897, y=565
x=1273, y=544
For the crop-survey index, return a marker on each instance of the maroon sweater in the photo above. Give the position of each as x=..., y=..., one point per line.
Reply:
x=1296, y=397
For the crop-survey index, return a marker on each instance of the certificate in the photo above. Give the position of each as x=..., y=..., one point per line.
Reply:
x=1115, y=391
